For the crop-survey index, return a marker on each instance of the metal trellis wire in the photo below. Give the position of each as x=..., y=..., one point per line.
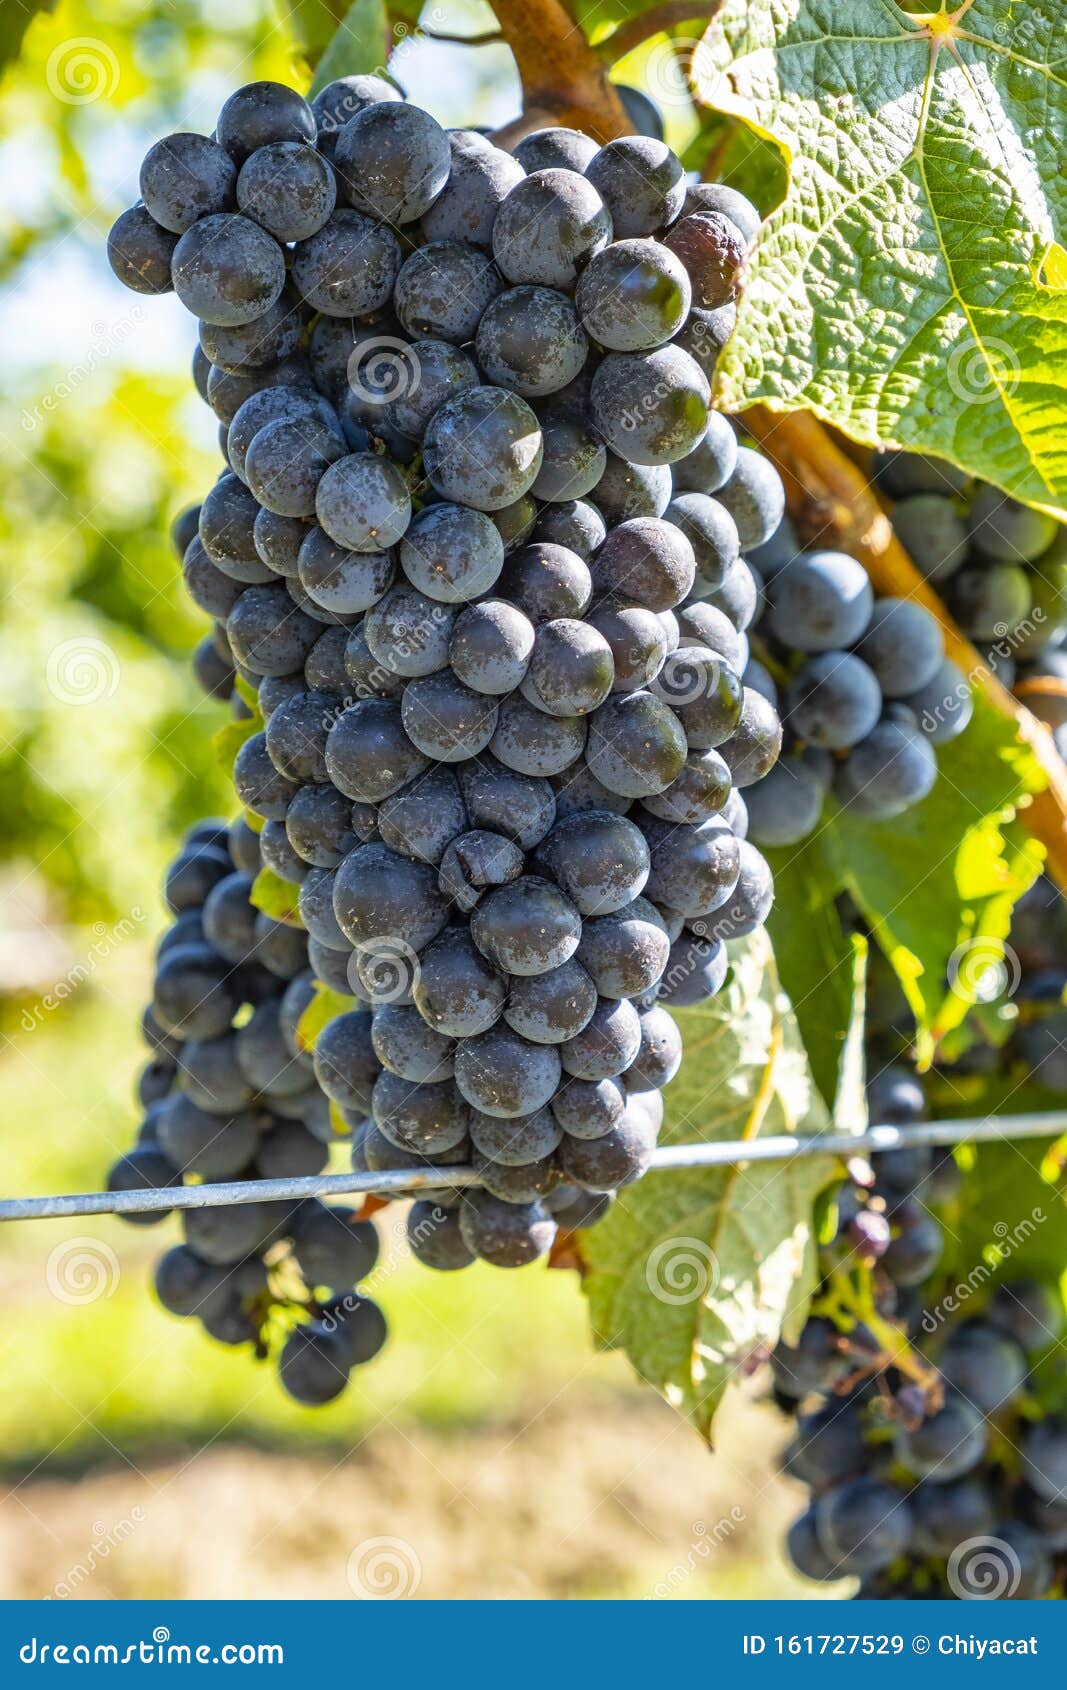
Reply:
x=782, y=1148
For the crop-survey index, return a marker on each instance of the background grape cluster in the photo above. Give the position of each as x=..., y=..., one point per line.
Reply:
x=229, y=1093
x=483, y=615
x=954, y=1485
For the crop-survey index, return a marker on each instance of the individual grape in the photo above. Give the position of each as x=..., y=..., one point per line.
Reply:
x=201, y=366
x=947, y=1515
x=903, y=473
x=451, y=553
x=576, y=791
x=640, y=181
x=435, y=1237
x=716, y=196
x=571, y=669
x=192, y=875
x=754, y=497
x=829, y=1445
x=214, y=673
x=806, y=1552
x=393, y=160
x=710, y=531
x=548, y=226
x=268, y=634
x=185, y=177
x=573, y=459
x=281, y=948
x=627, y=490
x=155, y=1081
x=711, y=463
x=703, y=624
x=573, y=524
x=317, y=911
x=633, y=296
x=344, y=98
x=443, y=290
x=785, y=806
x=1003, y=528
x=380, y=896
x=346, y=1066
x=184, y=1284
x=429, y=1119
x=712, y=251
x=589, y=1108
x=1028, y=1312
x=319, y=827
x=502, y=1074
x=296, y=735
x=211, y=1146
x=916, y=1250
x=701, y=790
x=349, y=267
x=646, y=561
x=863, y=1525
x=821, y=602
x=551, y=1007
x=209, y=587
x=314, y=1365
x=274, y=690
x=705, y=693
x=196, y=996
x=262, y=112
x=140, y=252
x=751, y=900
x=472, y=861
x=342, y=581
x=257, y=348
x=244, y=847
x=479, y=181
x=505, y=1234
x=446, y=720
x=903, y=646
x=547, y=582
x=933, y=534
x=944, y=706
x=601, y=861
x=144, y=1168
x=694, y=869
x=947, y=1444
x=287, y=460
x=889, y=771
x=263, y=1056
x=332, y=1246
x=833, y=701
x=607, y=1045
x=636, y=745
x=363, y=502
x=704, y=335
x=230, y=917
x=273, y=404
x=435, y=371
x=324, y=667
x=458, y=993
x=515, y=522
x=738, y=594
x=651, y=407
x=636, y=639
x=498, y=798
x=368, y=753
x=526, y=926
x=527, y=1183
x=288, y=188
x=990, y=600
x=613, y=1159
x=515, y=1143
x=227, y=270
x=984, y=1364
x=407, y=633
x=555, y=149
x=422, y=819
x=696, y=970
x=625, y=952
x=814, y=1363
x=531, y=742
x=407, y=1046
x=483, y=448
x=1044, y=1458
x=226, y=523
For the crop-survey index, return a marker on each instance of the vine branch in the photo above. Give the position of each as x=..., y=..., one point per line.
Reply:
x=828, y=491
x=563, y=80
x=653, y=22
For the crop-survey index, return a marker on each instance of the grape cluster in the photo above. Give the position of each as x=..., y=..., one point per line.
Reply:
x=229, y=1094
x=864, y=688
x=1001, y=565
x=478, y=550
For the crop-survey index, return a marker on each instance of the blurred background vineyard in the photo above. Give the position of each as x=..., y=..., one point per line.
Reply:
x=140, y=1460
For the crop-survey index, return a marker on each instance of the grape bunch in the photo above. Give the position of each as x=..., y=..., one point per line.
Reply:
x=864, y=689
x=477, y=550
x=1001, y=565
x=932, y=1480
x=229, y=1094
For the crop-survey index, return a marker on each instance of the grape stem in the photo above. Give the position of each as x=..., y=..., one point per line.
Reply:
x=653, y=22
x=832, y=499
x=563, y=80
x=853, y=1295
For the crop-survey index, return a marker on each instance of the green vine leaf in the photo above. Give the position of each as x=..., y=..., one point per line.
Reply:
x=357, y=46
x=324, y=1006
x=909, y=289
x=227, y=741
x=695, y=1272
x=813, y=952
x=276, y=897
